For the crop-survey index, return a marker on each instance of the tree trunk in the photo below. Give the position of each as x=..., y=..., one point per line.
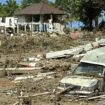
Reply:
x=90, y=24
x=96, y=21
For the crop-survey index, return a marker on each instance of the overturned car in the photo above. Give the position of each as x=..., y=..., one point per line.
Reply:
x=88, y=78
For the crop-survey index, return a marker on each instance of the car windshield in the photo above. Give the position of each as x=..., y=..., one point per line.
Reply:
x=88, y=69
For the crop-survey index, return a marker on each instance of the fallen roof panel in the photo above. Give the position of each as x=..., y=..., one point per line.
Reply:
x=96, y=56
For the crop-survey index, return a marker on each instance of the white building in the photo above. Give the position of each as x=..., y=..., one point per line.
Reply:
x=40, y=17
x=7, y=23
x=37, y=17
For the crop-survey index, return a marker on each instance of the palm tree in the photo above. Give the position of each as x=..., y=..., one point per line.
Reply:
x=2, y=11
x=25, y=3
x=11, y=7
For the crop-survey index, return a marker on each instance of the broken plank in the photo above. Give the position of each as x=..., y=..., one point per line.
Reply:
x=35, y=95
x=27, y=68
x=18, y=70
x=65, y=90
x=96, y=97
x=64, y=53
x=45, y=74
x=17, y=103
x=78, y=57
x=88, y=47
x=101, y=42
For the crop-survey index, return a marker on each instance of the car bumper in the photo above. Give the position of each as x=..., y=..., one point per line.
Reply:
x=79, y=93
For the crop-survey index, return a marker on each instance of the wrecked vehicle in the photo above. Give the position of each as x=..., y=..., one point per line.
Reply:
x=88, y=78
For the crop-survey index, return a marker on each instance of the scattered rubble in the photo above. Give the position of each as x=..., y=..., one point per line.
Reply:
x=75, y=51
x=64, y=53
x=47, y=70
x=19, y=79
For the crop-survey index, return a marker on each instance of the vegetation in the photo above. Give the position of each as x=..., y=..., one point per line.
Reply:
x=42, y=43
x=11, y=6
x=25, y=3
x=82, y=10
x=8, y=8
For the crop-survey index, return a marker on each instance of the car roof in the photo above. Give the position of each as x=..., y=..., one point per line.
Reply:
x=96, y=56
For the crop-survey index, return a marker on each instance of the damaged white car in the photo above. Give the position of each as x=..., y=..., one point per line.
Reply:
x=88, y=78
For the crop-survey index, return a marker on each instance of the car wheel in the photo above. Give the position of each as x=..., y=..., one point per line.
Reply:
x=96, y=92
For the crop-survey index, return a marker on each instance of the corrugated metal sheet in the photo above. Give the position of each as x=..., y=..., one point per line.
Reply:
x=96, y=56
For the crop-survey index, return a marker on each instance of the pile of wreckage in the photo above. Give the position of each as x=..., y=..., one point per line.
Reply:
x=76, y=52
x=81, y=85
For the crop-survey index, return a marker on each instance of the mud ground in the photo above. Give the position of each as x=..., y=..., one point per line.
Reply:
x=29, y=46
x=8, y=98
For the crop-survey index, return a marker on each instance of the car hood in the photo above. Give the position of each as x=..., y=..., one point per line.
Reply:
x=80, y=81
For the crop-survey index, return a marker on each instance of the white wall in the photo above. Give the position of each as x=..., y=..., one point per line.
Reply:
x=21, y=19
x=58, y=28
x=1, y=24
x=9, y=22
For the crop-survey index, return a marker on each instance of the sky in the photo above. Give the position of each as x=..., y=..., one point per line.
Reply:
x=18, y=1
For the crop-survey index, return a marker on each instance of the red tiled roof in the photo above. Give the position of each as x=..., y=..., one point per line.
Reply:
x=39, y=8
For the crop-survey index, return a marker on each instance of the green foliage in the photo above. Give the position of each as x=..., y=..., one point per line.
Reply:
x=2, y=11
x=25, y=3
x=11, y=6
x=83, y=10
x=8, y=8
x=86, y=10
x=67, y=30
x=64, y=5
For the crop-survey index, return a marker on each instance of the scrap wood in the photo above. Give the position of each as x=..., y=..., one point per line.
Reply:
x=75, y=50
x=65, y=90
x=46, y=74
x=96, y=97
x=64, y=53
x=35, y=95
x=17, y=103
x=57, y=96
x=78, y=57
x=27, y=64
x=101, y=42
x=24, y=68
x=46, y=93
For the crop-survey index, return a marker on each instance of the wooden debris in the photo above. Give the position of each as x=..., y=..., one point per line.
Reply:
x=17, y=103
x=26, y=68
x=78, y=57
x=35, y=95
x=96, y=97
x=88, y=47
x=65, y=90
x=45, y=74
x=64, y=53
x=101, y=42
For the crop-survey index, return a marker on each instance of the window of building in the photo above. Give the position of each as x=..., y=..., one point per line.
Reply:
x=3, y=20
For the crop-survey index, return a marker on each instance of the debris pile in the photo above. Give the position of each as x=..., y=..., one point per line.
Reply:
x=47, y=70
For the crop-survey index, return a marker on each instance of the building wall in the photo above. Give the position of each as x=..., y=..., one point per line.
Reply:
x=59, y=28
x=1, y=23
x=9, y=22
x=42, y=25
x=21, y=19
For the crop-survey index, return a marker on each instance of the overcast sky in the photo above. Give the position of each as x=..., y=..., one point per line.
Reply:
x=18, y=1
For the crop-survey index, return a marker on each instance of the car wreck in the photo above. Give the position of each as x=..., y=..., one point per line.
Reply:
x=88, y=78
